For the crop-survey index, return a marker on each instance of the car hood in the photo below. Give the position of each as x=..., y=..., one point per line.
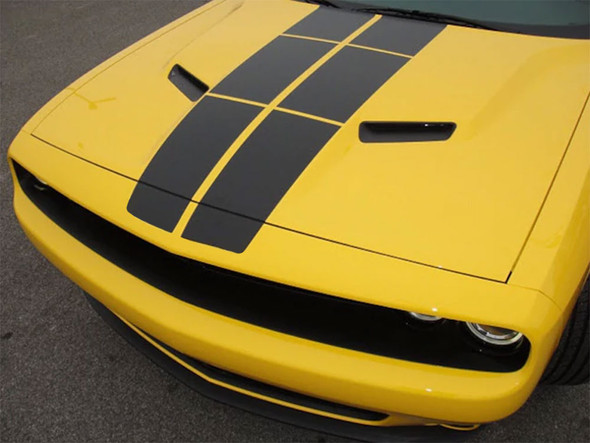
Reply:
x=282, y=137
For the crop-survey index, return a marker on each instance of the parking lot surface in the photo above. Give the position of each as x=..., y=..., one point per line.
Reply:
x=65, y=376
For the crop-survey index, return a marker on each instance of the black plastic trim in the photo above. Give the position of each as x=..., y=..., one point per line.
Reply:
x=400, y=132
x=272, y=391
x=327, y=319
x=273, y=410
x=187, y=83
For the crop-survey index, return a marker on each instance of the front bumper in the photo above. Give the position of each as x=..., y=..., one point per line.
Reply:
x=210, y=383
x=407, y=393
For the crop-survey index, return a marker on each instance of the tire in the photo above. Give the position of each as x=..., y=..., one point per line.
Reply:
x=570, y=362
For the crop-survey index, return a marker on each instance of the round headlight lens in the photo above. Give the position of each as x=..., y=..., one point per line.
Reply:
x=494, y=335
x=424, y=317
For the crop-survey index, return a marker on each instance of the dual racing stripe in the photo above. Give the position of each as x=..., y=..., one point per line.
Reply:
x=399, y=35
x=329, y=24
x=264, y=75
x=255, y=180
x=186, y=158
x=271, y=159
x=196, y=145
x=338, y=88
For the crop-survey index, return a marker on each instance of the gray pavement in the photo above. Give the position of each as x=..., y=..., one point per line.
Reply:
x=65, y=376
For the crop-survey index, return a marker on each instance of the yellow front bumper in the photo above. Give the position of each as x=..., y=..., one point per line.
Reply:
x=409, y=393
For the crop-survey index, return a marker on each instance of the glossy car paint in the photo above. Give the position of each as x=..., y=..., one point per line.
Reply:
x=478, y=79
x=530, y=289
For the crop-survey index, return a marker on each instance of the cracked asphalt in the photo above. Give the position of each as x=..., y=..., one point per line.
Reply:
x=65, y=375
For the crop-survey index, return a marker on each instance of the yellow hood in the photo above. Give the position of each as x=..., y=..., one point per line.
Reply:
x=465, y=204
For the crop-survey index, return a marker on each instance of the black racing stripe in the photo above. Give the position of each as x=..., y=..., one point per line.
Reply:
x=256, y=179
x=186, y=158
x=330, y=24
x=221, y=229
x=399, y=35
x=337, y=89
x=157, y=207
x=264, y=75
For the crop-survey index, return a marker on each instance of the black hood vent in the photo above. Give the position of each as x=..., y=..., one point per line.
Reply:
x=399, y=132
x=187, y=83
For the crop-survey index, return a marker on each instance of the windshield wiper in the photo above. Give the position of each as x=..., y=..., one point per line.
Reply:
x=427, y=16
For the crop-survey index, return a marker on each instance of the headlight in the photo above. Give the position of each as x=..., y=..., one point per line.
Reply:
x=494, y=335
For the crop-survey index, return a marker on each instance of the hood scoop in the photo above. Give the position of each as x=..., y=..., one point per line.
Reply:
x=187, y=83
x=399, y=132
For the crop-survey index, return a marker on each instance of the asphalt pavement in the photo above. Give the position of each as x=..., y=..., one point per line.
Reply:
x=64, y=374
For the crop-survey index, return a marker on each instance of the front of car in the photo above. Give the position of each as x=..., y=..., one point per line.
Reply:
x=367, y=217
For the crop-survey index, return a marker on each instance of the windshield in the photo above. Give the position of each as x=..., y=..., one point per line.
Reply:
x=558, y=18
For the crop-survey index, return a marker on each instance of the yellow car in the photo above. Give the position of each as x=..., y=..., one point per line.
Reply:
x=359, y=217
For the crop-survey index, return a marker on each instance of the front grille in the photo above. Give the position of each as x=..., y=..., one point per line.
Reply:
x=331, y=320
